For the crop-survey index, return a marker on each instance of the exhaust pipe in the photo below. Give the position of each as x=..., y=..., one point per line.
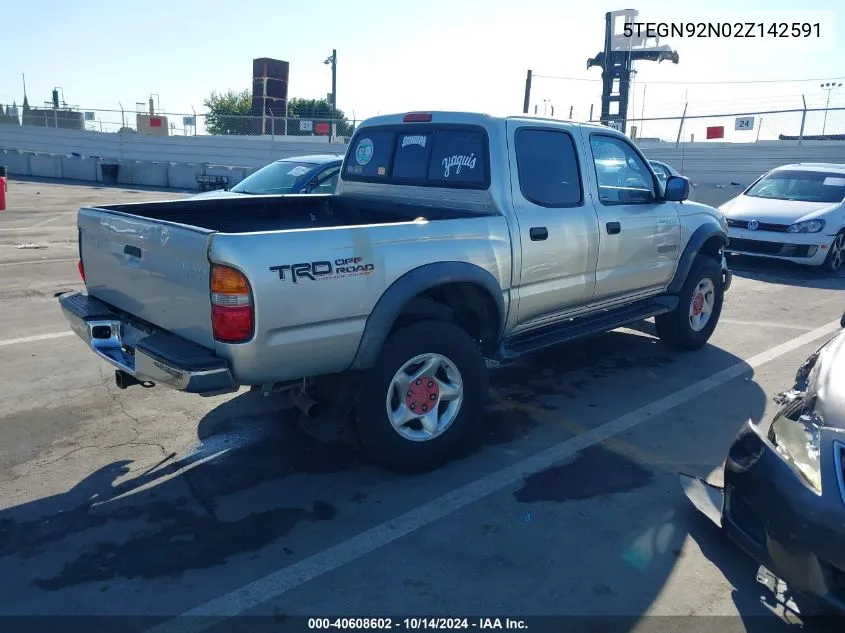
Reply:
x=305, y=403
x=124, y=380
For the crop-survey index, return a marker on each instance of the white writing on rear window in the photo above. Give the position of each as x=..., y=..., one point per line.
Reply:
x=413, y=140
x=458, y=161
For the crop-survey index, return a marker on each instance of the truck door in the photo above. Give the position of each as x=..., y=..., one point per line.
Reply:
x=639, y=234
x=557, y=224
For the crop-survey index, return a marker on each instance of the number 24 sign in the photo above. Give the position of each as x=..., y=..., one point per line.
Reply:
x=744, y=123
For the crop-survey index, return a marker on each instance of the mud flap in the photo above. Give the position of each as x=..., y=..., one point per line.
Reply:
x=707, y=498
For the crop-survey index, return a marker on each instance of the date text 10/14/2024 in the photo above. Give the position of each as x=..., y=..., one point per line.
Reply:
x=416, y=623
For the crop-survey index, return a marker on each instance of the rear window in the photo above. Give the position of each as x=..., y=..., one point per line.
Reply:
x=424, y=155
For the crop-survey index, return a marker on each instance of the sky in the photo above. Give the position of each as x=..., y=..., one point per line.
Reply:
x=413, y=55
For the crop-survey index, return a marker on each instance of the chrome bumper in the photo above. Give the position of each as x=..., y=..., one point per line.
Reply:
x=143, y=351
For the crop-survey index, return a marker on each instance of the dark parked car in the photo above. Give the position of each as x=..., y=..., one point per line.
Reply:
x=783, y=500
x=301, y=174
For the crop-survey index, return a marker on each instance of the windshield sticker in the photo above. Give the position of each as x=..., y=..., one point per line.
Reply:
x=458, y=161
x=830, y=181
x=414, y=140
x=298, y=171
x=355, y=169
x=364, y=151
x=381, y=171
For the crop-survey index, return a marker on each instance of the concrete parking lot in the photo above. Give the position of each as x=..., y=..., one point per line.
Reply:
x=146, y=504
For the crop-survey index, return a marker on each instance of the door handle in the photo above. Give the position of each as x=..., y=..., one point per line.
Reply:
x=538, y=233
x=132, y=251
x=613, y=228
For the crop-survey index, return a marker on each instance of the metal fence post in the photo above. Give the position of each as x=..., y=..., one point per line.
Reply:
x=681, y=126
x=803, y=120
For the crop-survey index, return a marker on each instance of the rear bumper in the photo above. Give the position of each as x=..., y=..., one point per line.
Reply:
x=144, y=351
x=781, y=522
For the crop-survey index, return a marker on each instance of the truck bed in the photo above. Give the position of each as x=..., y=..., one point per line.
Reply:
x=250, y=214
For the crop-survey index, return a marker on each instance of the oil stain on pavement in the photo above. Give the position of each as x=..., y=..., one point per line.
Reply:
x=595, y=472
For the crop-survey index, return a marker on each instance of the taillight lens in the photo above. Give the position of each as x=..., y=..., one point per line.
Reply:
x=232, y=313
x=417, y=117
x=81, y=269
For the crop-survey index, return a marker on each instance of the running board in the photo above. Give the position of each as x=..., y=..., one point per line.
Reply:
x=580, y=327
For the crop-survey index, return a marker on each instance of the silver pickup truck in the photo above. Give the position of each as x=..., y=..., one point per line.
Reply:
x=453, y=241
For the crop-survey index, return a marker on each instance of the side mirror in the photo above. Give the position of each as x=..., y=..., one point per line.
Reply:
x=842, y=321
x=677, y=189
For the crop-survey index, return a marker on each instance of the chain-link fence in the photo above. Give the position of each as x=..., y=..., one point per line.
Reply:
x=178, y=124
x=801, y=124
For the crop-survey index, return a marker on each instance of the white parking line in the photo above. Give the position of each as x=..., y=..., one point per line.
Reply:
x=39, y=227
x=280, y=582
x=32, y=339
x=40, y=261
x=785, y=326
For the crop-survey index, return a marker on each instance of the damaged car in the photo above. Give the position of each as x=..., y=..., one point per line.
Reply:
x=783, y=499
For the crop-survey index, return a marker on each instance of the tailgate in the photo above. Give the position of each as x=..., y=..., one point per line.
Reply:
x=157, y=271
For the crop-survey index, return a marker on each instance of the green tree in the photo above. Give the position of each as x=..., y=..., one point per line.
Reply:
x=229, y=113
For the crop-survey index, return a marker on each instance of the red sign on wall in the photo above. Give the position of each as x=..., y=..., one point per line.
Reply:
x=155, y=121
x=717, y=131
x=321, y=128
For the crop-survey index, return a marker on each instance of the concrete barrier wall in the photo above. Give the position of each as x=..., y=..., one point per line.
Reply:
x=239, y=151
x=724, y=163
x=719, y=170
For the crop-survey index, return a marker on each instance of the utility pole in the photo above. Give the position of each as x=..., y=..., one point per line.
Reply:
x=829, y=86
x=527, y=99
x=333, y=62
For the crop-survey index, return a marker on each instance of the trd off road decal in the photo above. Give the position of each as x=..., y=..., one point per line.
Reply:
x=322, y=270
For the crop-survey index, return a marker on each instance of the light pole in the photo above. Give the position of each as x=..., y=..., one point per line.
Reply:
x=829, y=86
x=332, y=60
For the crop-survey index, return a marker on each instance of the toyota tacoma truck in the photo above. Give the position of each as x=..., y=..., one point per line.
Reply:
x=453, y=242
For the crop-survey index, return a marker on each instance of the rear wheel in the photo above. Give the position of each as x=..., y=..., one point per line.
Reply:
x=836, y=255
x=422, y=403
x=689, y=326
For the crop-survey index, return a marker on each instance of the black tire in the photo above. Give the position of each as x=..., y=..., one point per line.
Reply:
x=674, y=327
x=835, y=260
x=379, y=441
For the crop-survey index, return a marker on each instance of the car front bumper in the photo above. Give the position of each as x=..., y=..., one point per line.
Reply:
x=143, y=351
x=803, y=248
x=783, y=523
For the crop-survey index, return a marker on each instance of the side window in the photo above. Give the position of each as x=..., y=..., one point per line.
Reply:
x=371, y=155
x=548, y=168
x=327, y=182
x=660, y=172
x=622, y=176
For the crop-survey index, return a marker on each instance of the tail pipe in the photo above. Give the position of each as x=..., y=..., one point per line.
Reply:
x=305, y=403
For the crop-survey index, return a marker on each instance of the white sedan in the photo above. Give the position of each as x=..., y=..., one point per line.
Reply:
x=795, y=213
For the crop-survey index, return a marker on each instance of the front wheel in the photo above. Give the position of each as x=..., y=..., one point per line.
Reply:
x=422, y=403
x=689, y=326
x=836, y=255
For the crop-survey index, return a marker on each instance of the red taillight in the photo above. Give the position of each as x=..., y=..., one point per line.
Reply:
x=81, y=269
x=417, y=117
x=231, y=324
x=232, y=317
